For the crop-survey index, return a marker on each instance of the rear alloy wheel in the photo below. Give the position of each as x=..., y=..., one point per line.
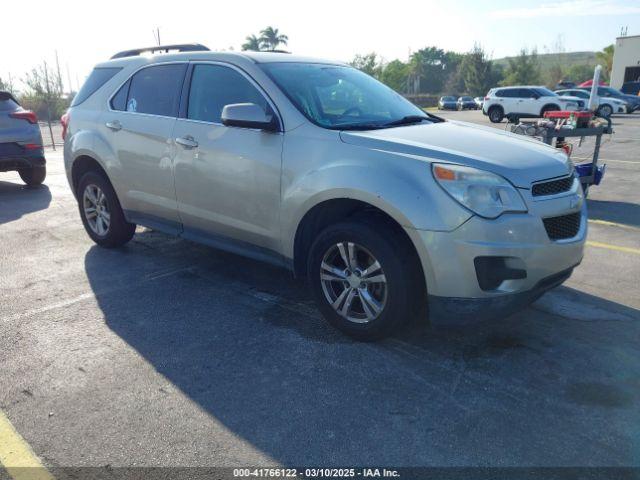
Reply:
x=33, y=176
x=101, y=214
x=605, y=111
x=364, y=283
x=496, y=114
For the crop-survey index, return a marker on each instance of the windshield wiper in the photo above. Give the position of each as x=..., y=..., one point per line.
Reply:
x=409, y=119
x=357, y=126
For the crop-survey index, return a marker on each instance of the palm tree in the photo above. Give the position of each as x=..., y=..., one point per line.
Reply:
x=606, y=57
x=252, y=43
x=271, y=38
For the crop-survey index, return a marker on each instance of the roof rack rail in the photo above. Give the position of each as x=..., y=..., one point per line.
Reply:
x=184, y=47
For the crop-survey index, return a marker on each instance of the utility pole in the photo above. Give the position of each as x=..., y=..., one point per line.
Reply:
x=48, y=103
x=156, y=35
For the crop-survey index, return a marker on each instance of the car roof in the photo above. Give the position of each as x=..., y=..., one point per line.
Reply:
x=232, y=57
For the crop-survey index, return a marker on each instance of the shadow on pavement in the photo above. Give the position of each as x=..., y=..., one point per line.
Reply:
x=17, y=200
x=620, y=212
x=243, y=341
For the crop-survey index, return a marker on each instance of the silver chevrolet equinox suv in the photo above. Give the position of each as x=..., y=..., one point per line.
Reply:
x=389, y=212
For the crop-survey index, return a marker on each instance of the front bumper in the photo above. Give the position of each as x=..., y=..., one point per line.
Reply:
x=449, y=259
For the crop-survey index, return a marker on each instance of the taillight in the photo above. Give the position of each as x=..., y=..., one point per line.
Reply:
x=27, y=115
x=64, y=120
x=486, y=98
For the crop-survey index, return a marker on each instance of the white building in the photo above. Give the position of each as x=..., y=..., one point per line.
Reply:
x=626, y=61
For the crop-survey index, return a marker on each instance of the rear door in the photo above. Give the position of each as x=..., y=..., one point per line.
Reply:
x=138, y=125
x=506, y=98
x=527, y=102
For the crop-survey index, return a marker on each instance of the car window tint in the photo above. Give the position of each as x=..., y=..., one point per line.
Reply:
x=213, y=87
x=119, y=100
x=97, y=78
x=507, y=93
x=156, y=90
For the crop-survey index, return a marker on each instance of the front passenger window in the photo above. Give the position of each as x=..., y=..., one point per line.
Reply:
x=214, y=86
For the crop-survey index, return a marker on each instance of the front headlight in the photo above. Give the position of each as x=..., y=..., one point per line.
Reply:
x=484, y=193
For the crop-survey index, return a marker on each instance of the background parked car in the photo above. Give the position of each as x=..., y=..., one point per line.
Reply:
x=631, y=88
x=20, y=141
x=466, y=103
x=525, y=101
x=447, y=103
x=565, y=84
x=479, y=101
x=633, y=101
x=605, y=107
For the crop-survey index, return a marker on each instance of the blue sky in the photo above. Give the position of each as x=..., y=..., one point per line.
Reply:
x=85, y=32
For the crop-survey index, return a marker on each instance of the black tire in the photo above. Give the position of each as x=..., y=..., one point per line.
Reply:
x=399, y=267
x=119, y=230
x=605, y=111
x=33, y=176
x=496, y=114
x=549, y=108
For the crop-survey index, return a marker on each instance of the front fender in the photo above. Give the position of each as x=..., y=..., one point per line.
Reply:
x=399, y=185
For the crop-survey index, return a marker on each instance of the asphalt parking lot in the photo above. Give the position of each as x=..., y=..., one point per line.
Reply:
x=166, y=353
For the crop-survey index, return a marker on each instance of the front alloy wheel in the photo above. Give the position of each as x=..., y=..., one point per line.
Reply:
x=365, y=277
x=353, y=282
x=96, y=209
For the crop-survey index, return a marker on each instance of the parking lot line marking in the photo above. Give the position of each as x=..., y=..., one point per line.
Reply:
x=612, y=224
x=16, y=456
x=614, y=247
x=605, y=160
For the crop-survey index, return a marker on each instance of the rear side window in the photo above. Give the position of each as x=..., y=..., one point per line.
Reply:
x=156, y=90
x=213, y=87
x=119, y=100
x=507, y=93
x=7, y=102
x=98, y=78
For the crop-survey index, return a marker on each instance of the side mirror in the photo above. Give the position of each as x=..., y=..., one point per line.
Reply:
x=248, y=115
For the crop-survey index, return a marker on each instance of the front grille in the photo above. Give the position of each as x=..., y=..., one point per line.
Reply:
x=552, y=187
x=565, y=226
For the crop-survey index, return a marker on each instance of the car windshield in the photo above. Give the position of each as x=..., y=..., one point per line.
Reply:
x=448, y=99
x=466, y=99
x=545, y=92
x=339, y=97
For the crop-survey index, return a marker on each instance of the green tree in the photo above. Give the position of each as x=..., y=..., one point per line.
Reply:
x=252, y=43
x=523, y=69
x=270, y=38
x=369, y=63
x=579, y=73
x=7, y=85
x=394, y=75
x=430, y=68
x=477, y=72
x=606, y=58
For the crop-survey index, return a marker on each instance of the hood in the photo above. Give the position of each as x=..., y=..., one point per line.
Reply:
x=630, y=99
x=519, y=159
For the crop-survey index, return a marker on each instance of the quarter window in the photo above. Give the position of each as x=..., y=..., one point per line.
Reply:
x=213, y=87
x=119, y=100
x=156, y=90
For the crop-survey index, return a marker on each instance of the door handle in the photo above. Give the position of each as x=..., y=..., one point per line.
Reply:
x=187, y=141
x=115, y=125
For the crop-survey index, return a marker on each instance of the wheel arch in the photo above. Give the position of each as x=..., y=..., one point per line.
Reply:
x=331, y=211
x=82, y=165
